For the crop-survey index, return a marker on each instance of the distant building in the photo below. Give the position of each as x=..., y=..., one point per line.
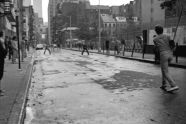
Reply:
x=26, y=17
x=38, y=23
x=74, y=1
x=37, y=6
x=115, y=10
x=27, y=3
x=121, y=24
x=108, y=25
x=51, y=13
x=151, y=13
x=44, y=31
x=92, y=13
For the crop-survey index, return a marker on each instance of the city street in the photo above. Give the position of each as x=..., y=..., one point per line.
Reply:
x=70, y=88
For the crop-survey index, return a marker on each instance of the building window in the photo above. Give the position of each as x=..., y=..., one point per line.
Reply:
x=113, y=25
x=109, y=25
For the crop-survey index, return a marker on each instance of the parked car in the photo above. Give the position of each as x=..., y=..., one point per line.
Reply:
x=39, y=46
x=54, y=45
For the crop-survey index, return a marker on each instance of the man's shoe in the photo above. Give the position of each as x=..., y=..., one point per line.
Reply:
x=2, y=92
x=163, y=87
x=173, y=89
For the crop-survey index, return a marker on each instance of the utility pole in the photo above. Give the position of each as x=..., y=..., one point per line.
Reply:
x=70, y=33
x=19, y=29
x=99, y=43
x=18, y=40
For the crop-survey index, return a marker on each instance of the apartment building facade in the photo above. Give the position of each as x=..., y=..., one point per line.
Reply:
x=37, y=6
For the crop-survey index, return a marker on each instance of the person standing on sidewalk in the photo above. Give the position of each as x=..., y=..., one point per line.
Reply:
x=166, y=55
x=6, y=43
x=23, y=49
x=3, y=53
x=107, y=47
x=10, y=51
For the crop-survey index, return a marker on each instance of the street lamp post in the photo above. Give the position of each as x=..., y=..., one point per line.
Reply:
x=18, y=42
x=70, y=33
x=99, y=43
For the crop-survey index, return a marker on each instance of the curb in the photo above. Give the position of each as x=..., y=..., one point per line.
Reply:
x=23, y=109
x=138, y=59
x=18, y=112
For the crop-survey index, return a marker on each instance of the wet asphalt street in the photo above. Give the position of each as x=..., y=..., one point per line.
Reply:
x=68, y=88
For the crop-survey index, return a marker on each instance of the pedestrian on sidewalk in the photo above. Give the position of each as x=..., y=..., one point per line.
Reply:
x=47, y=48
x=3, y=54
x=27, y=45
x=123, y=46
x=23, y=49
x=10, y=51
x=107, y=47
x=6, y=43
x=116, y=47
x=84, y=49
x=15, y=49
x=166, y=55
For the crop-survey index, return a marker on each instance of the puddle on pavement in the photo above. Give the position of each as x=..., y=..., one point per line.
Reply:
x=130, y=80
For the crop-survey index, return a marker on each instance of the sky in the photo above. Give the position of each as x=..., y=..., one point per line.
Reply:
x=92, y=2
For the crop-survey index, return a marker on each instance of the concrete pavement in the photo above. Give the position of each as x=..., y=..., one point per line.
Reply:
x=71, y=88
x=15, y=83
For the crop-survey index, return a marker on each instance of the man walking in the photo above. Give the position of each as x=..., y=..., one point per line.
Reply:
x=10, y=51
x=47, y=48
x=166, y=54
x=23, y=49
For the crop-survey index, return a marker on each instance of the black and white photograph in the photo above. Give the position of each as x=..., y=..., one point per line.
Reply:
x=92, y=61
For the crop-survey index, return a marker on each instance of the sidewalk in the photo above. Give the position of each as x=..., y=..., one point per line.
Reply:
x=15, y=83
x=149, y=58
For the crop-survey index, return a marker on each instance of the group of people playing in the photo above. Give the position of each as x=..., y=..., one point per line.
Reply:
x=9, y=46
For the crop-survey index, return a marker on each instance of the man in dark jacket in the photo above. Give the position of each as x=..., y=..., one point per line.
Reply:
x=10, y=51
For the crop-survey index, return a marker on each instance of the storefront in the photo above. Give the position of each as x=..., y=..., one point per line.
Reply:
x=2, y=26
x=7, y=18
